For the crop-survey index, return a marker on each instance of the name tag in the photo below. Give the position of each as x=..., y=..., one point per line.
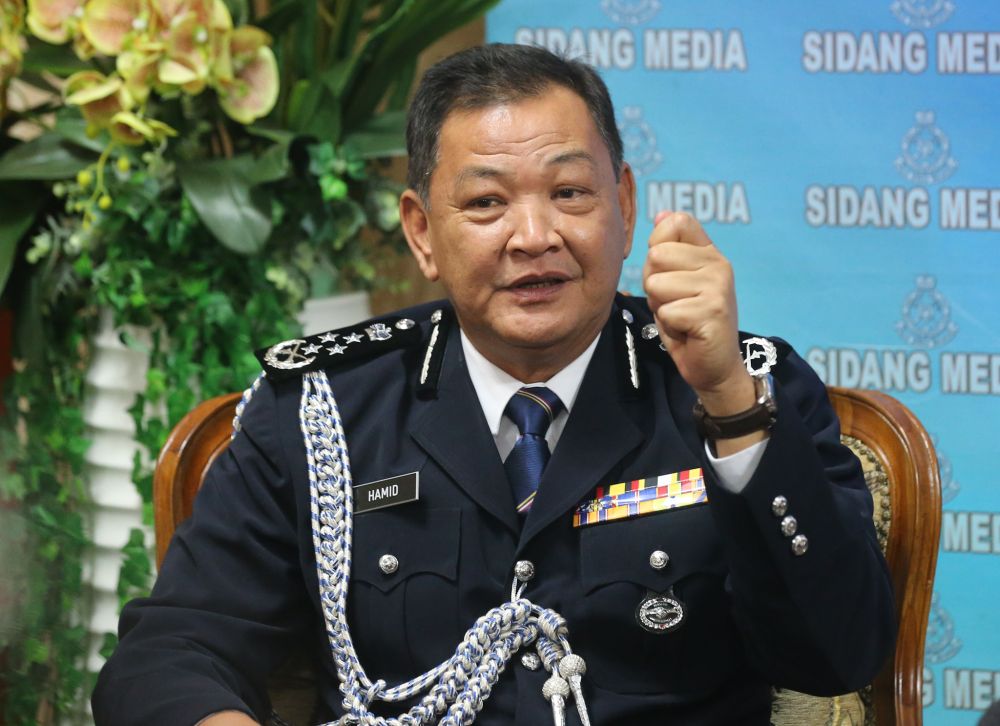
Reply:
x=387, y=492
x=642, y=496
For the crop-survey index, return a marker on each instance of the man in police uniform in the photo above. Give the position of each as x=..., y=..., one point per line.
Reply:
x=685, y=611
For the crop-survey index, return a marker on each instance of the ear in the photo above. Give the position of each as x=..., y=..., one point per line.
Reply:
x=626, y=203
x=416, y=226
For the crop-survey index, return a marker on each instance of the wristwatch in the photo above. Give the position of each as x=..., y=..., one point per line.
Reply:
x=759, y=417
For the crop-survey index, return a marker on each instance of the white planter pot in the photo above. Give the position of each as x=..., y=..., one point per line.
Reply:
x=336, y=311
x=116, y=375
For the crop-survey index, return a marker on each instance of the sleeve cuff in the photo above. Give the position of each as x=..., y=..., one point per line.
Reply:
x=736, y=470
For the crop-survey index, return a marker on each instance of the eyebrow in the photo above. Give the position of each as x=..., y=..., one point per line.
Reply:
x=570, y=157
x=492, y=172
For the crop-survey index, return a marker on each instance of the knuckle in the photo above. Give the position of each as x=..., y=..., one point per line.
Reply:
x=683, y=218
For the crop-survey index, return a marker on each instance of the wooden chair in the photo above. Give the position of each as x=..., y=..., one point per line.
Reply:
x=900, y=469
x=902, y=474
x=184, y=460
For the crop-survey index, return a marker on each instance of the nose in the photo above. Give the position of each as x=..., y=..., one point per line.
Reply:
x=534, y=229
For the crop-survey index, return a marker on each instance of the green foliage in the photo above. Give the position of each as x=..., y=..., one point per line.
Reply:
x=209, y=241
x=18, y=208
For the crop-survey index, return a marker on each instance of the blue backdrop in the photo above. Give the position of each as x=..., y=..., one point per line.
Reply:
x=845, y=157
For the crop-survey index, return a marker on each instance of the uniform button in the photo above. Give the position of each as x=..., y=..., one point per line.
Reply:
x=404, y=324
x=779, y=506
x=627, y=316
x=436, y=316
x=531, y=661
x=524, y=570
x=800, y=543
x=659, y=559
x=789, y=526
x=388, y=564
x=649, y=331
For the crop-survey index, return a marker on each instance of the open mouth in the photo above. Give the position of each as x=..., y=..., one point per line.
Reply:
x=537, y=284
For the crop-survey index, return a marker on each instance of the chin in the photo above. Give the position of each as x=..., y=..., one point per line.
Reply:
x=537, y=335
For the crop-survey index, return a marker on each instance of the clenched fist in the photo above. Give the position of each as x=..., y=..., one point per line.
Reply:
x=691, y=293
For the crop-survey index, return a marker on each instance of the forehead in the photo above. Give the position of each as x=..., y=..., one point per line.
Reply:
x=535, y=129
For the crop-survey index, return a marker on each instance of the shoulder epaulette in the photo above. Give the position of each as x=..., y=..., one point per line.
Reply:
x=293, y=357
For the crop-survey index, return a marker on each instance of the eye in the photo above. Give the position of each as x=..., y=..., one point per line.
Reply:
x=572, y=194
x=484, y=203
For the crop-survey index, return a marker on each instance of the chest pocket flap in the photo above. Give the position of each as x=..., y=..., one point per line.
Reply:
x=421, y=541
x=620, y=551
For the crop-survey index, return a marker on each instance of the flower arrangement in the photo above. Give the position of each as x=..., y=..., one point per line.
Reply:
x=196, y=167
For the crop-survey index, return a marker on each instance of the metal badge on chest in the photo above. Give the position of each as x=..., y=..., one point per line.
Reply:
x=660, y=613
x=657, y=612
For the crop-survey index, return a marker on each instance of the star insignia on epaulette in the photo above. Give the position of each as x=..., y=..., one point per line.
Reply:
x=300, y=355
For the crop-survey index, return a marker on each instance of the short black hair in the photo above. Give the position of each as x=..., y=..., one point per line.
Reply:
x=492, y=75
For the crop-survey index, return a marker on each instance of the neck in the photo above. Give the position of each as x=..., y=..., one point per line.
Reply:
x=530, y=364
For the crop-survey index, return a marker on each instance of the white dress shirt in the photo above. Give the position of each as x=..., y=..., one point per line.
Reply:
x=494, y=388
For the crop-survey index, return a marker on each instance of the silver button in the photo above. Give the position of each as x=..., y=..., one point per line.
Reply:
x=659, y=559
x=627, y=316
x=404, y=324
x=524, y=570
x=789, y=526
x=800, y=543
x=531, y=661
x=436, y=316
x=779, y=505
x=388, y=564
x=649, y=331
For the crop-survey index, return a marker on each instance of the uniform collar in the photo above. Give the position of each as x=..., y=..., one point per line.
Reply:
x=494, y=387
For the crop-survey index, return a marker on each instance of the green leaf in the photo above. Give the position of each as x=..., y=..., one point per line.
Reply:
x=384, y=135
x=220, y=192
x=277, y=135
x=73, y=128
x=109, y=642
x=302, y=102
x=36, y=651
x=397, y=101
x=19, y=205
x=12, y=486
x=314, y=111
x=302, y=38
x=239, y=10
x=57, y=59
x=48, y=158
x=282, y=16
x=383, y=58
x=29, y=333
x=272, y=165
x=344, y=34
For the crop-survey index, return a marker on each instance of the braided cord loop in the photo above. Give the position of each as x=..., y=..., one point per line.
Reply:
x=247, y=395
x=458, y=686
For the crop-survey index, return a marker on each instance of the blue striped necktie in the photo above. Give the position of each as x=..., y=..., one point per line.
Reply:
x=532, y=410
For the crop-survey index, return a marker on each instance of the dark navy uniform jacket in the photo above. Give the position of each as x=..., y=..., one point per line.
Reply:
x=238, y=587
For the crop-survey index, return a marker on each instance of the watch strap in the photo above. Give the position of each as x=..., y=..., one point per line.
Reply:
x=759, y=417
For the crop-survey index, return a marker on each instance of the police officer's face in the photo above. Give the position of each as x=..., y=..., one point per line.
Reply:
x=526, y=228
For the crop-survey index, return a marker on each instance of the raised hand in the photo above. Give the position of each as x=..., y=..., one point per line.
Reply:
x=691, y=292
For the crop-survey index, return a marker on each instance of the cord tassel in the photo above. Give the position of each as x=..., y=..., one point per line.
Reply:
x=572, y=667
x=555, y=690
